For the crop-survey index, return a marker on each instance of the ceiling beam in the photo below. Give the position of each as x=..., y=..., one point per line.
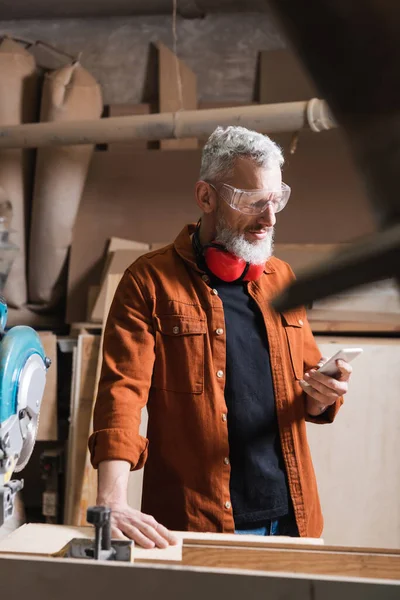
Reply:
x=49, y=9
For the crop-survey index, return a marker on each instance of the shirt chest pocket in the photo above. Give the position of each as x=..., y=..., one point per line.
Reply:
x=293, y=330
x=179, y=364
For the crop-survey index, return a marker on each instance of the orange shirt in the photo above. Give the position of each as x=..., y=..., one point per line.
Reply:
x=164, y=345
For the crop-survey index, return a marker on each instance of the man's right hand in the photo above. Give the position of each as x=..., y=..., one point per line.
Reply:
x=126, y=522
x=144, y=530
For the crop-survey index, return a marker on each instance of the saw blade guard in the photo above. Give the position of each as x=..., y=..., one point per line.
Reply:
x=23, y=367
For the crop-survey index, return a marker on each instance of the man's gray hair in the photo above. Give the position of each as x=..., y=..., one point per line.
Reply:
x=227, y=144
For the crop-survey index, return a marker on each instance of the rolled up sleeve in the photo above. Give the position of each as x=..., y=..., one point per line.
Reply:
x=126, y=373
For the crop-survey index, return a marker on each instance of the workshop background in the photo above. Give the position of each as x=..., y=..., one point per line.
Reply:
x=81, y=214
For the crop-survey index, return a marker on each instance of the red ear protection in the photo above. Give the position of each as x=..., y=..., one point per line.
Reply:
x=228, y=267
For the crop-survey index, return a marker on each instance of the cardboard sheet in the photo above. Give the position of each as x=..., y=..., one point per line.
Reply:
x=176, y=92
x=117, y=262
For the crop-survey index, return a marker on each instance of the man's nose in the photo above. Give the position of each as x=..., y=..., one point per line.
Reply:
x=267, y=218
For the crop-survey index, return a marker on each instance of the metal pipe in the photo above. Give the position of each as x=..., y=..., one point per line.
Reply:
x=267, y=118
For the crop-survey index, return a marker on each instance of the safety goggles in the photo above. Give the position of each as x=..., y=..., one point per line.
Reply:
x=253, y=202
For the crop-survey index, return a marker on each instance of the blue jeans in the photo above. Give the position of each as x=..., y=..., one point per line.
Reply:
x=283, y=526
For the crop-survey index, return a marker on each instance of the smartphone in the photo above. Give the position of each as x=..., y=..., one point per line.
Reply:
x=346, y=354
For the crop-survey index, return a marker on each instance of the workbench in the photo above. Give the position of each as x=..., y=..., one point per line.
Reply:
x=201, y=566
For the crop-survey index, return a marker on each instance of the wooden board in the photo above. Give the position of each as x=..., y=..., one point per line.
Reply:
x=88, y=492
x=48, y=426
x=40, y=539
x=337, y=319
x=291, y=560
x=170, y=99
x=341, y=326
x=84, y=389
x=198, y=538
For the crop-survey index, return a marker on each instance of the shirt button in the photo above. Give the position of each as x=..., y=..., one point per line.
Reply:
x=301, y=322
x=175, y=329
x=220, y=374
x=224, y=417
x=226, y=460
x=219, y=331
x=227, y=505
x=215, y=292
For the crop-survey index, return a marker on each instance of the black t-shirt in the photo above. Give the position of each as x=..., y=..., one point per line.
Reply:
x=258, y=484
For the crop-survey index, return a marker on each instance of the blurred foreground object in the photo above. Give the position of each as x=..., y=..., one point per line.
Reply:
x=352, y=51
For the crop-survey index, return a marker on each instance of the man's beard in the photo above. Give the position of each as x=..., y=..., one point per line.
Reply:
x=255, y=253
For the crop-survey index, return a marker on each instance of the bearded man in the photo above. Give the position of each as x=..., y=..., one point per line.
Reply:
x=229, y=384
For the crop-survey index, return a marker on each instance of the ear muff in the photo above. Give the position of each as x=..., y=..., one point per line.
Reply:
x=254, y=272
x=228, y=267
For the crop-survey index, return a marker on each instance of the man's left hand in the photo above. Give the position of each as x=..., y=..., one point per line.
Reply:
x=323, y=391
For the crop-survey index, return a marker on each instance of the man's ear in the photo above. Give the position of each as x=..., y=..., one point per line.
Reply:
x=206, y=197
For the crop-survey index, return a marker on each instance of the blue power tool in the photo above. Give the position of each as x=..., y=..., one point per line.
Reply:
x=23, y=367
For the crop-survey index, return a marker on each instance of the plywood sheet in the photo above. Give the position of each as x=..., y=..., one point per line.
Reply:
x=40, y=539
x=357, y=457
